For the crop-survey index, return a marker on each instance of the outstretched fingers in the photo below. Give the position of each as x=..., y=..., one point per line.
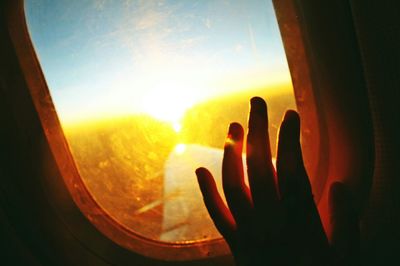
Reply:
x=216, y=207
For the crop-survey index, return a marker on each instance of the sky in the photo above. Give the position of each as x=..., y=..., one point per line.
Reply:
x=104, y=58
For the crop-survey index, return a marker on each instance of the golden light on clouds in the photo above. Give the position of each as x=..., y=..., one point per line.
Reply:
x=145, y=90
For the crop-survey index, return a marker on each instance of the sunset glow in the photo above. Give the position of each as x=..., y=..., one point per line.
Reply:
x=145, y=91
x=180, y=148
x=168, y=103
x=159, y=57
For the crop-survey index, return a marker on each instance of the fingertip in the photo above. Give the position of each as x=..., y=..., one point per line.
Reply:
x=235, y=131
x=206, y=182
x=202, y=174
x=289, y=131
x=258, y=118
x=292, y=115
x=291, y=120
x=257, y=100
x=258, y=105
x=200, y=170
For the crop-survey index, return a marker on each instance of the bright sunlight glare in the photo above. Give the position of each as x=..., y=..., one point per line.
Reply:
x=145, y=91
x=180, y=148
x=169, y=102
x=158, y=58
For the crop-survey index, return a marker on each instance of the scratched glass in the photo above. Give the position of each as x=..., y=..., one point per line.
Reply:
x=145, y=91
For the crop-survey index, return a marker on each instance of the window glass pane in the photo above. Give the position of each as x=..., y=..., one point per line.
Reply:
x=145, y=91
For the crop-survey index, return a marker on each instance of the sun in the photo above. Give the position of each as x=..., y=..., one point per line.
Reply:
x=169, y=102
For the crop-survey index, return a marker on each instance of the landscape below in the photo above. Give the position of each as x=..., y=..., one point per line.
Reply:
x=141, y=170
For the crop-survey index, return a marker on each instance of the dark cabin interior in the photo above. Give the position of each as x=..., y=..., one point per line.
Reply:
x=343, y=55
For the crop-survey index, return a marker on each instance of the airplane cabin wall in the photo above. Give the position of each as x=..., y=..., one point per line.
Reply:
x=33, y=231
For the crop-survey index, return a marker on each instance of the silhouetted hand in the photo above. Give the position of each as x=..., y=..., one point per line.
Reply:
x=275, y=221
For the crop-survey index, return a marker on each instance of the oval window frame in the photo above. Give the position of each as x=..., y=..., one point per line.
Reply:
x=188, y=251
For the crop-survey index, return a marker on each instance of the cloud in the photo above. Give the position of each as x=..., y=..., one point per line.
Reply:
x=150, y=20
x=238, y=48
x=191, y=42
x=99, y=4
x=207, y=23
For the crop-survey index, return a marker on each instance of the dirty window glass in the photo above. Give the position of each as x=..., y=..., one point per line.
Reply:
x=145, y=91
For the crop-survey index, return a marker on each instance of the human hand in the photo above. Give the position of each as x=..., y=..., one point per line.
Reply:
x=275, y=221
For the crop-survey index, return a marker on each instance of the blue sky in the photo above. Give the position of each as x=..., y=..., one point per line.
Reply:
x=107, y=57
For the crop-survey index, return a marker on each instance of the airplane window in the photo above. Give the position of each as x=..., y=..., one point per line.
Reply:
x=145, y=91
